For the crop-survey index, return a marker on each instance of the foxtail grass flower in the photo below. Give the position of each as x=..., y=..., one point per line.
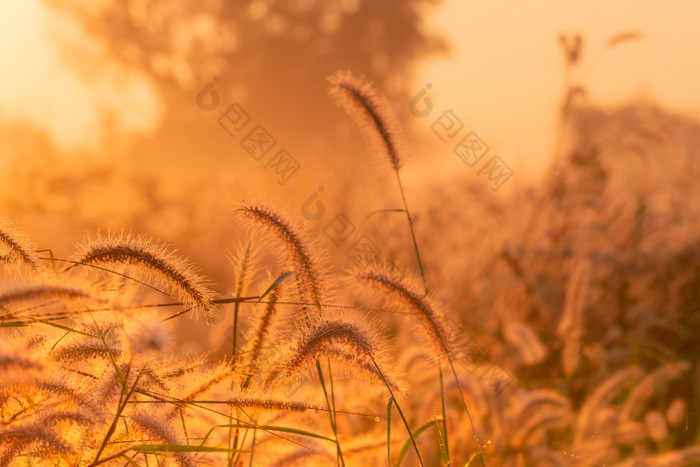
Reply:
x=151, y=262
x=310, y=284
x=17, y=246
x=372, y=113
x=397, y=293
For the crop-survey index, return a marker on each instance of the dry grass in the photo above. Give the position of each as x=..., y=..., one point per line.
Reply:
x=582, y=292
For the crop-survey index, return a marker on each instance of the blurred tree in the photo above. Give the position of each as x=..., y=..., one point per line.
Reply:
x=270, y=56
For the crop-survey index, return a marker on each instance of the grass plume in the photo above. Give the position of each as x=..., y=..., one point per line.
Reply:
x=262, y=330
x=403, y=296
x=18, y=247
x=153, y=262
x=159, y=429
x=372, y=113
x=310, y=283
x=321, y=340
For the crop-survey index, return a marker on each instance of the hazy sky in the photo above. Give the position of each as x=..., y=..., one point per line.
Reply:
x=504, y=78
x=39, y=87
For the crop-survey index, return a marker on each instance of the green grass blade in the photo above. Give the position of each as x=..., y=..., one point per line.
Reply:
x=275, y=284
x=407, y=444
x=442, y=441
x=446, y=448
x=281, y=429
x=398, y=408
x=388, y=430
x=471, y=459
x=156, y=448
x=330, y=412
x=14, y=324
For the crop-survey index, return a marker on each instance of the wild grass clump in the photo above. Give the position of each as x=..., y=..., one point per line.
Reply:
x=372, y=113
x=350, y=342
x=558, y=330
x=401, y=296
x=150, y=261
x=17, y=248
x=302, y=254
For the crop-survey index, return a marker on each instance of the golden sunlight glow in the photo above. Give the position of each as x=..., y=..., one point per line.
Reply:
x=41, y=89
x=503, y=75
x=349, y=233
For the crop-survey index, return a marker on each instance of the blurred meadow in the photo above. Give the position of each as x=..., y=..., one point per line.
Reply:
x=349, y=233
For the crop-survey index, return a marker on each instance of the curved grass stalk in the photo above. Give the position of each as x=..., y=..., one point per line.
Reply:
x=372, y=112
x=153, y=262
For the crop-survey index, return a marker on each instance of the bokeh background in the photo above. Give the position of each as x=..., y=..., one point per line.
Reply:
x=126, y=72
x=578, y=276
x=100, y=126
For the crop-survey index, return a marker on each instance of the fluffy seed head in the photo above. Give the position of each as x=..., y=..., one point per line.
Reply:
x=324, y=339
x=310, y=285
x=571, y=325
x=372, y=112
x=42, y=439
x=159, y=430
x=266, y=403
x=600, y=398
x=16, y=247
x=40, y=293
x=81, y=351
x=246, y=267
x=148, y=334
x=652, y=384
x=401, y=294
x=205, y=383
x=14, y=357
x=152, y=262
x=262, y=329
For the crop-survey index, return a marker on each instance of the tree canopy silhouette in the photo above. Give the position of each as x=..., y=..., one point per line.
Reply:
x=271, y=56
